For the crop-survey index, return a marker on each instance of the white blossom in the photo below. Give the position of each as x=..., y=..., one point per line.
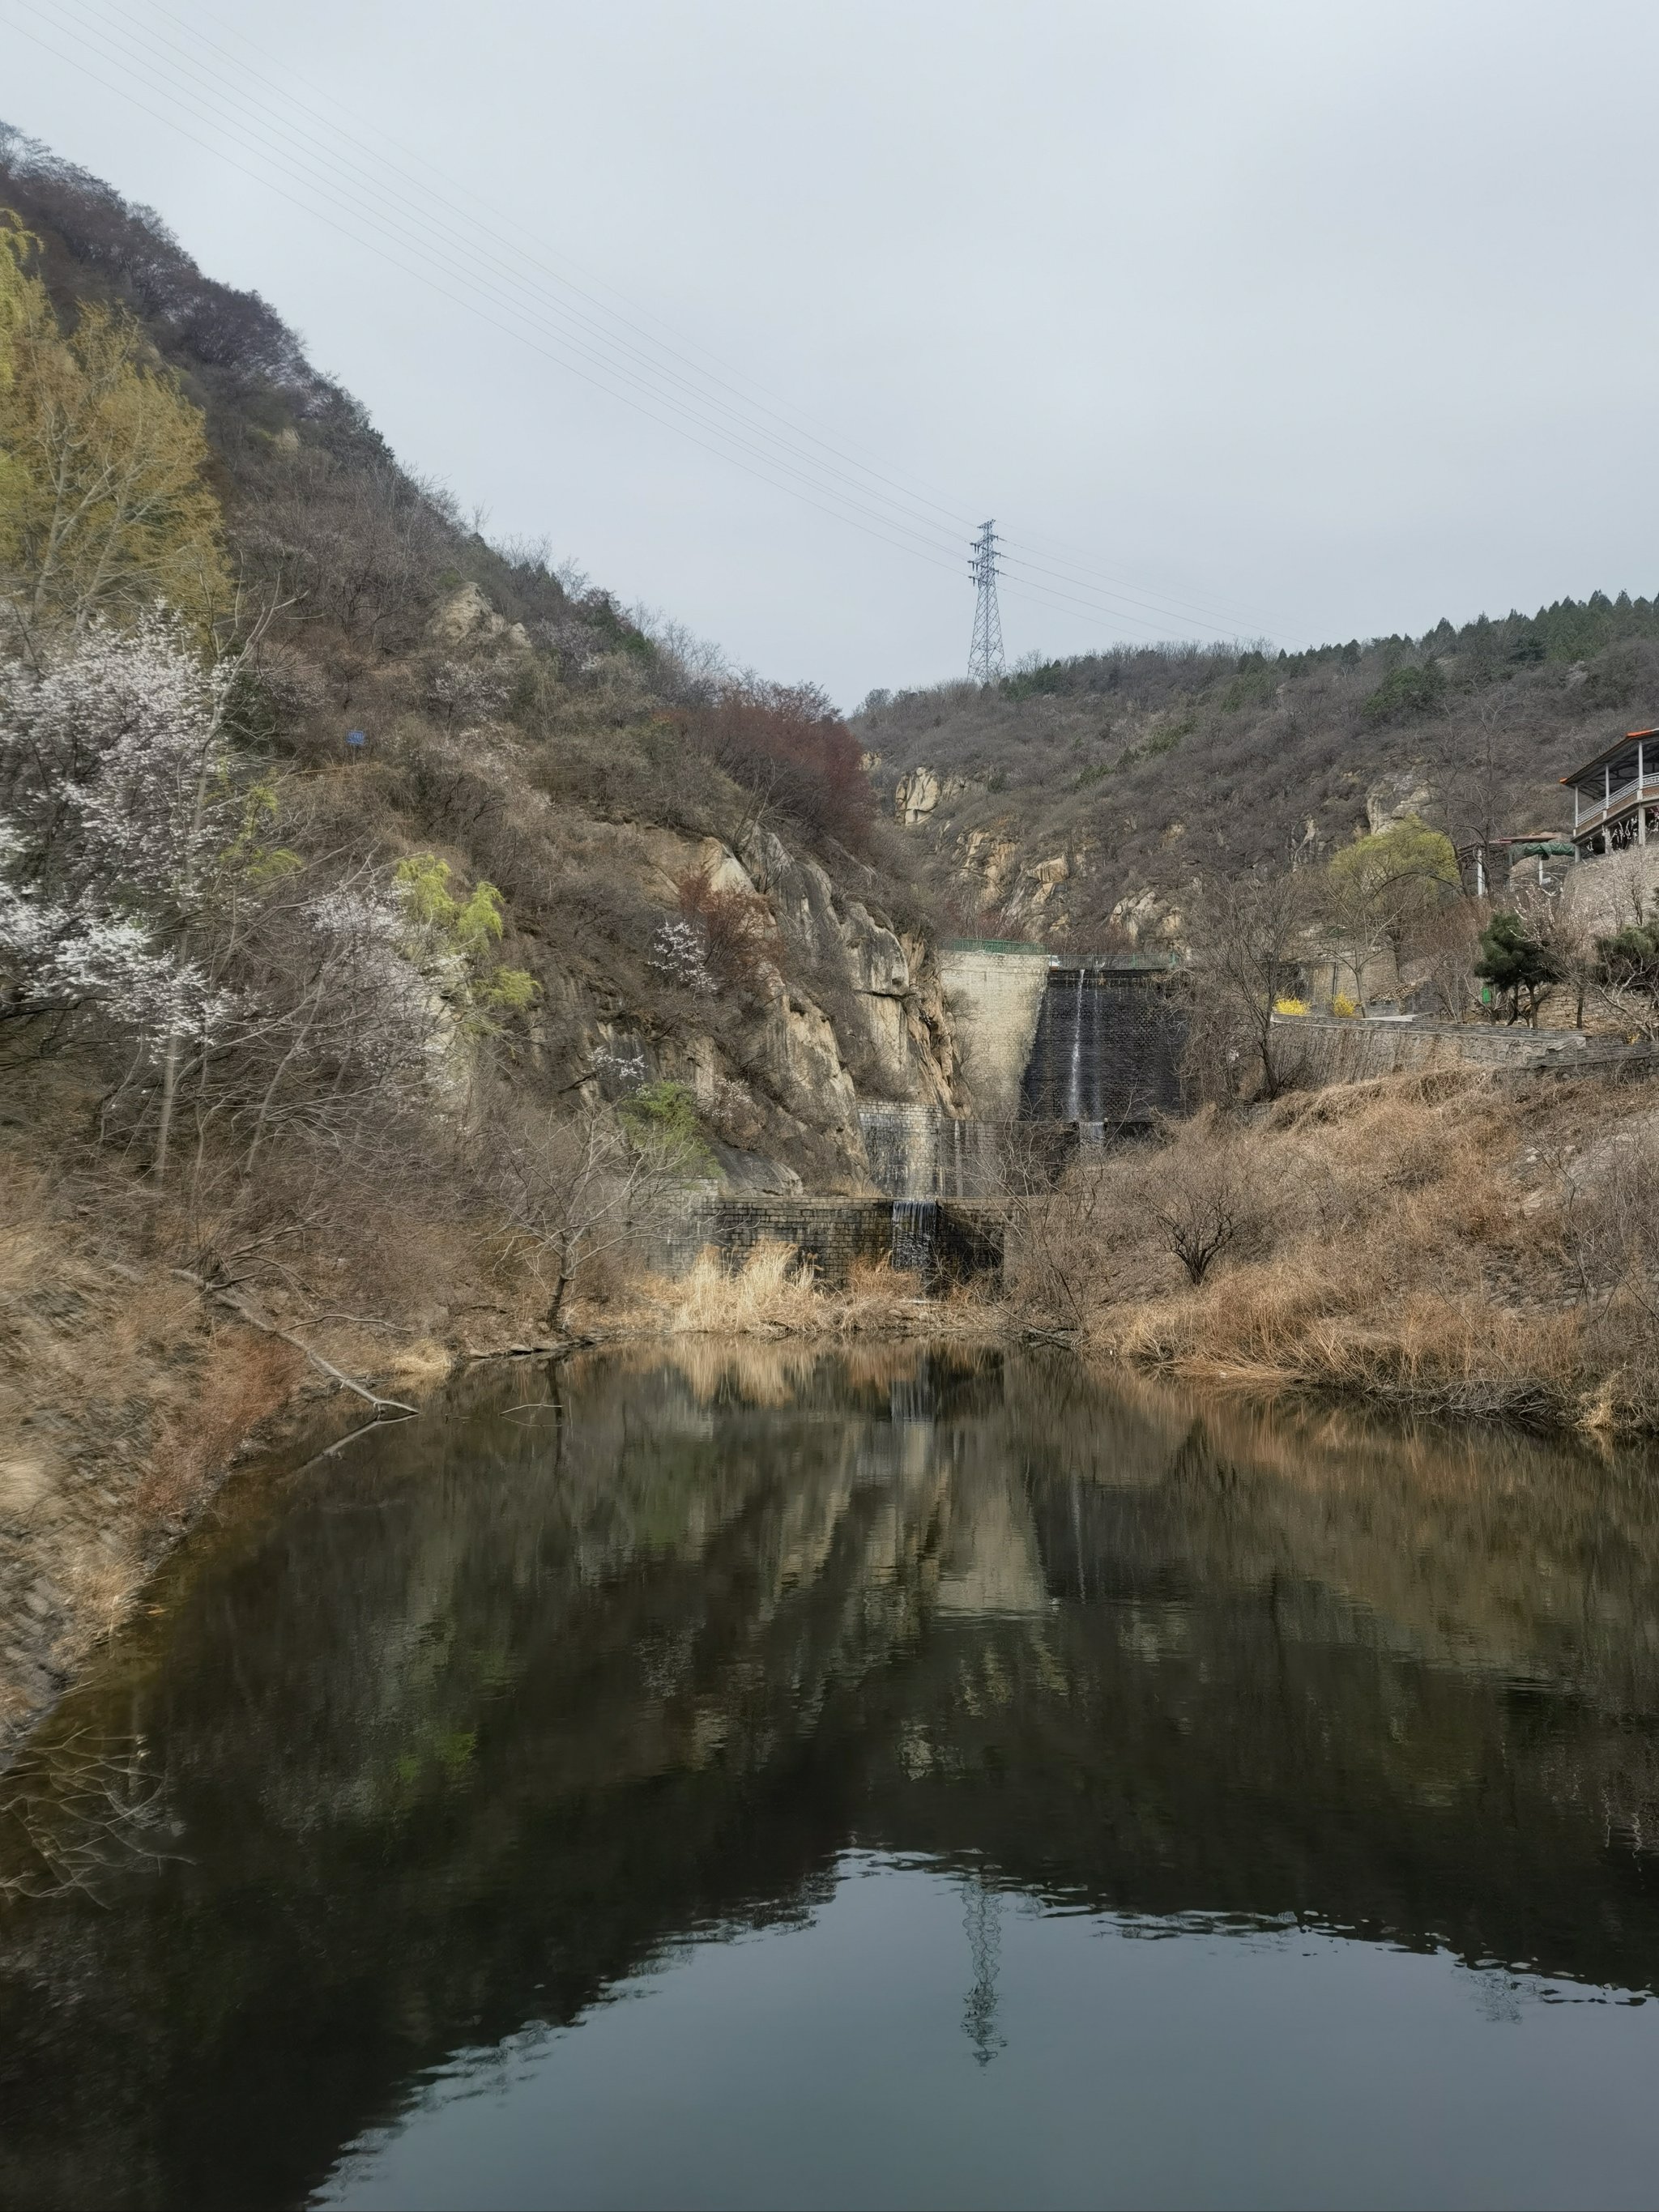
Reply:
x=679, y=955
x=111, y=781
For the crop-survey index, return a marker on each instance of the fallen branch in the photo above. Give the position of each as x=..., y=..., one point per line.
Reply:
x=562, y=1349
x=244, y=1312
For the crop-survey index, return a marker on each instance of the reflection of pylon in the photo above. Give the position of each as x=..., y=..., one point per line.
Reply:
x=979, y=1917
x=985, y=654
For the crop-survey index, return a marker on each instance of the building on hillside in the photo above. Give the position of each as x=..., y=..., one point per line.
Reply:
x=1615, y=799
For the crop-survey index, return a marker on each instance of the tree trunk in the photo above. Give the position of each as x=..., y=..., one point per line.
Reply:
x=561, y=1288
x=158, y=1166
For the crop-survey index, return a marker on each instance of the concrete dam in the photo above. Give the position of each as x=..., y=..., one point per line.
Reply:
x=1085, y=1038
x=1106, y=1051
x=1092, y=1043
x=1072, y=1050
x=1085, y=1048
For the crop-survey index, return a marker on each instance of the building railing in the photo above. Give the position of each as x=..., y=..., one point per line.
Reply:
x=1632, y=794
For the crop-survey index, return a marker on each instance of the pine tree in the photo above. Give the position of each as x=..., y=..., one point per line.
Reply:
x=1515, y=964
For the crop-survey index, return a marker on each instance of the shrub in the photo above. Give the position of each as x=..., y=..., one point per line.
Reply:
x=679, y=955
x=663, y=1117
x=739, y=938
x=789, y=750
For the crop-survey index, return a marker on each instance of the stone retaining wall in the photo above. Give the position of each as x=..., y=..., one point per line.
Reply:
x=834, y=1233
x=1334, y=1051
x=917, y=1152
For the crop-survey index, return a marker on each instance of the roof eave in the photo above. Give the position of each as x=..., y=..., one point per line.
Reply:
x=1608, y=753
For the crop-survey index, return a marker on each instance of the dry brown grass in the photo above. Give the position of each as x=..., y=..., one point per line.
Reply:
x=122, y=1398
x=775, y=1293
x=1434, y=1241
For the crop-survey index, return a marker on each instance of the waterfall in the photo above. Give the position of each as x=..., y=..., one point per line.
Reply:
x=1074, y=1079
x=1109, y=1058
x=915, y=1221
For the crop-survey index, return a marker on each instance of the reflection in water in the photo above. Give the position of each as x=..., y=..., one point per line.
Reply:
x=860, y=1718
x=979, y=1917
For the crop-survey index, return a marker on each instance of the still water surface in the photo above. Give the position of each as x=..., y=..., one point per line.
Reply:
x=898, y=1779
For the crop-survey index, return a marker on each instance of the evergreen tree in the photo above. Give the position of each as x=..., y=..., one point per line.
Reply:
x=1516, y=964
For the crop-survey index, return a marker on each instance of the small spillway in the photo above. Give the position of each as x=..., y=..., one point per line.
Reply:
x=1105, y=1052
x=919, y=1152
x=916, y=1234
x=1074, y=1072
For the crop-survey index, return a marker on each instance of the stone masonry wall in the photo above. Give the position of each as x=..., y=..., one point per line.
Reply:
x=916, y=1152
x=1334, y=1051
x=834, y=1232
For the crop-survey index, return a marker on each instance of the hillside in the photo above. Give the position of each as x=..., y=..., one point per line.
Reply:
x=1079, y=799
x=520, y=726
x=388, y=926
x=393, y=931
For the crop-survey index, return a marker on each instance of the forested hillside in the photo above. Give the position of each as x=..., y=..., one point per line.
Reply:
x=1079, y=796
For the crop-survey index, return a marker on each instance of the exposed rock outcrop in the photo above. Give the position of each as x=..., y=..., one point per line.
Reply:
x=850, y=1010
x=1396, y=797
x=466, y=617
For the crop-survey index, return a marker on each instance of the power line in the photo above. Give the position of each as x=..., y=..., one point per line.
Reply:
x=498, y=219
x=1168, y=603
x=1162, y=605
x=776, y=451
x=511, y=296
x=423, y=274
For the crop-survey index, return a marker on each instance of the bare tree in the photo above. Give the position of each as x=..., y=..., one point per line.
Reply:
x=1568, y=936
x=1479, y=791
x=1204, y=1201
x=576, y=1189
x=1446, y=947
x=1248, y=936
x=1056, y=1205
x=363, y=548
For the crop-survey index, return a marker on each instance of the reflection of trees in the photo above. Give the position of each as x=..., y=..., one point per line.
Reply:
x=462, y=1735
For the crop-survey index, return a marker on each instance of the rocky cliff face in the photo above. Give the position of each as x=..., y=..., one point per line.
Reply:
x=849, y=1011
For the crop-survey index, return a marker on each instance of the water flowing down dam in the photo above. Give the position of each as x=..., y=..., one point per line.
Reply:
x=1098, y=1039
x=1107, y=1050
x=938, y=1172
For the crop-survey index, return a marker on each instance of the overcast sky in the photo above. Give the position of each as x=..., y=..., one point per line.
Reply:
x=1301, y=321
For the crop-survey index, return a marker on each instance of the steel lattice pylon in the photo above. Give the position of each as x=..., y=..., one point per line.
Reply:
x=985, y=655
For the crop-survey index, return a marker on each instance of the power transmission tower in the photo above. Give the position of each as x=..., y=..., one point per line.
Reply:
x=985, y=655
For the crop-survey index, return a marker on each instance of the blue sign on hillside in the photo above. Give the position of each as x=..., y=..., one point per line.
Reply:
x=356, y=740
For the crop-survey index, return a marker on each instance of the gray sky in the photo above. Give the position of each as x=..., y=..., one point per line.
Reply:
x=1293, y=320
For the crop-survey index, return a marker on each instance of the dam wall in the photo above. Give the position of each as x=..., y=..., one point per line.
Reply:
x=1106, y=1050
x=916, y=1152
x=944, y=1242
x=994, y=998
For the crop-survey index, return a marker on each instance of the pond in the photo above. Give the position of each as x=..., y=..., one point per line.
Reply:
x=906, y=1778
